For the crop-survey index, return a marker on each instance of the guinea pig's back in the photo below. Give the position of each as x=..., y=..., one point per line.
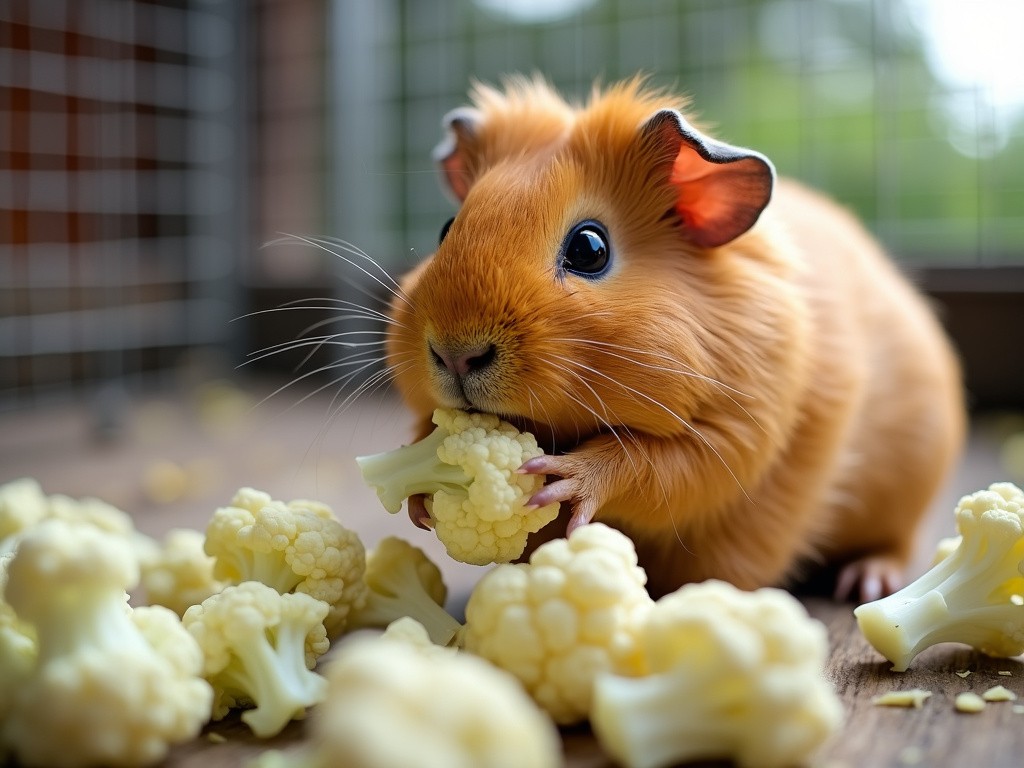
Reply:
x=877, y=338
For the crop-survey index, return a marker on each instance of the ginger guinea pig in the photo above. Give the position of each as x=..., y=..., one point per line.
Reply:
x=723, y=366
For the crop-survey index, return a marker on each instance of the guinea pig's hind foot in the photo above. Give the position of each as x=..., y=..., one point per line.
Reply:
x=869, y=578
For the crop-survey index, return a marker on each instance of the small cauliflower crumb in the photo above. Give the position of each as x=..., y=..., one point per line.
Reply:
x=966, y=673
x=911, y=756
x=999, y=693
x=1005, y=673
x=216, y=738
x=915, y=697
x=969, y=702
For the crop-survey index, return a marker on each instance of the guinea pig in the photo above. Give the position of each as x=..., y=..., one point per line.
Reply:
x=720, y=364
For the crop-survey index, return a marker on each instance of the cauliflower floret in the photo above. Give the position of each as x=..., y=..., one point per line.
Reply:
x=17, y=650
x=562, y=619
x=729, y=675
x=103, y=691
x=403, y=581
x=974, y=595
x=295, y=547
x=22, y=505
x=379, y=688
x=408, y=631
x=467, y=469
x=179, y=574
x=260, y=648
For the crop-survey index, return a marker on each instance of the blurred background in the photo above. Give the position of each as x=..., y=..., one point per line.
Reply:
x=150, y=151
x=153, y=154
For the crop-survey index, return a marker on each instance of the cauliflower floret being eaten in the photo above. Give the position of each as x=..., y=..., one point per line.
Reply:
x=568, y=615
x=260, y=648
x=729, y=675
x=111, y=686
x=467, y=469
x=390, y=704
x=972, y=595
x=295, y=547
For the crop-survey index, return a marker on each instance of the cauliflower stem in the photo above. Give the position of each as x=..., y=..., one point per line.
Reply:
x=632, y=712
x=260, y=648
x=404, y=582
x=273, y=674
x=728, y=674
x=410, y=470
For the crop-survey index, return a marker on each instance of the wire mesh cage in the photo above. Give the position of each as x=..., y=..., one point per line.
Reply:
x=118, y=188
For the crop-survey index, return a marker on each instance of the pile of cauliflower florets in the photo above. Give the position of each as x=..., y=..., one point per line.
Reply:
x=114, y=647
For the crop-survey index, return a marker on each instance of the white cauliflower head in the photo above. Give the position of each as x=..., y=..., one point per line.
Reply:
x=450, y=710
x=467, y=469
x=728, y=675
x=17, y=649
x=563, y=618
x=299, y=546
x=110, y=686
x=22, y=505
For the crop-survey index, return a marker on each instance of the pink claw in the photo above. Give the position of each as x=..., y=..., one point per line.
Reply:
x=583, y=514
x=556, y=492
x=540, y=465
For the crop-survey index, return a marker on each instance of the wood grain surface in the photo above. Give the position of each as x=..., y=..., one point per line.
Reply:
x=221, y=439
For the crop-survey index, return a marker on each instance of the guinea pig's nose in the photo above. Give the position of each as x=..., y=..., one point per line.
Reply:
x=463, y=361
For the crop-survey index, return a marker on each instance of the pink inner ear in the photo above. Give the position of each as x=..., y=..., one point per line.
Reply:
x=456, y=174
x=717, y=201
x=700, y=202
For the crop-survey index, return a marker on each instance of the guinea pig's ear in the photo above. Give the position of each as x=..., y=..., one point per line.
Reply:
x=456, y=152
x=720, y=189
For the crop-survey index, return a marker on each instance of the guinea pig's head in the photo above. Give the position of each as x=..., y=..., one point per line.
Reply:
x=592, y=277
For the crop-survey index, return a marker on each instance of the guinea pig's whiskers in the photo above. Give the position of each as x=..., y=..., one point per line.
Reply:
x=613, y=350
x=336, y=408
x=378, y=275
x=683, y=422
x=536, y=403
x=611, y=423
x=682, y=370
x=317, y=342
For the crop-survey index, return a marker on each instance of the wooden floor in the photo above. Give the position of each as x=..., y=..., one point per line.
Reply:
x=171, y=460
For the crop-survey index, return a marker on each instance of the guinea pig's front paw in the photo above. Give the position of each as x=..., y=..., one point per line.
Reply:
x=577, y=483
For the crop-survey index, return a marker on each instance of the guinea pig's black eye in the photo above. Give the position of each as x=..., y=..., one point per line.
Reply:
x=444, y=229
x=586, y=251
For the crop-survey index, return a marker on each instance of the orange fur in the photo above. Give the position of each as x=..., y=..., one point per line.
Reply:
x=736, y=410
